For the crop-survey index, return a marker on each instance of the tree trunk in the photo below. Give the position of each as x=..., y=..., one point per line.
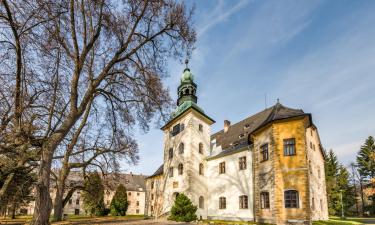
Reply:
x=13, y=212
x=58, y=206
x=43, y=200
x=362, y=198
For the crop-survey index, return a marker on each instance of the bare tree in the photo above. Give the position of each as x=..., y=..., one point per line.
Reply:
x=107, y=53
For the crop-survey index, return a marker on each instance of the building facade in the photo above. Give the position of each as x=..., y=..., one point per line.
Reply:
x=135, y=186
x=268, y=167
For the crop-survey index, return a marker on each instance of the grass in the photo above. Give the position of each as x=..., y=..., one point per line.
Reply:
x=338, y=221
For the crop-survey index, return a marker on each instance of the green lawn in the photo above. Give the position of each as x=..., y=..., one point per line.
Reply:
x=338, y=221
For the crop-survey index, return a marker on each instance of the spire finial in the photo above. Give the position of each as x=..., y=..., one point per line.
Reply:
x=186, y=63
x=278, y=101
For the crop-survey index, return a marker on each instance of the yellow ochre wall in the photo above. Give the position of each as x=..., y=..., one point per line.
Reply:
x=291, y=172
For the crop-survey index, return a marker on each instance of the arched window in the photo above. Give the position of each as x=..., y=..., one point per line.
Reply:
x=170, y=153
x=200, y=148
x=200, y=168
x=291, y=199
x=180, y=169
x=201, y=202
x=181, y=148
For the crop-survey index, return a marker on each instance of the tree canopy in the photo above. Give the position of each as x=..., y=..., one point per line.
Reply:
x=119, y=203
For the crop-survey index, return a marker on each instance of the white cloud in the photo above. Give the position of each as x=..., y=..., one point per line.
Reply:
x=219, y=14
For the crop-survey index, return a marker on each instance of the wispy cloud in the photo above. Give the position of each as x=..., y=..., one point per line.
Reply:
x=219, y=14
x=272, y=23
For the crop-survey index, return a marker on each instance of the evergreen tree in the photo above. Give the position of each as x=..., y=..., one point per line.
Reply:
x=337, y=184
x=93, y=195
x=366, y=169
x=366, y=159
x=183, y=210
x=119, y=203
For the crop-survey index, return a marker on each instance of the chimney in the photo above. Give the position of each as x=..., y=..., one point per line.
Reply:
x=226, y=125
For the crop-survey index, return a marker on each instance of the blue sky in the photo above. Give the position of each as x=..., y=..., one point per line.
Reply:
x=315, y=55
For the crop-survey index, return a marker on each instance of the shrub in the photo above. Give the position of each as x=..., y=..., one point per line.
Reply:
x=119, y=203
x=183, y=210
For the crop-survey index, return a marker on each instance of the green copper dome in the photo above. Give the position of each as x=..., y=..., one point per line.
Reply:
x=187, y=76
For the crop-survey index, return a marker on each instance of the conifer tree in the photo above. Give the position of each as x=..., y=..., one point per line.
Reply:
x=183, y=210
x=119, y=203
x=93, y=195
x=337, y=181
x=366, y=159
x=366, y=169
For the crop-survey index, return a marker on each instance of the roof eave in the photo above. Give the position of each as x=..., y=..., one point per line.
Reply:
x=183, y=113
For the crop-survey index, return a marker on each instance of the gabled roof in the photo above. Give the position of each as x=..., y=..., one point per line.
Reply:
x=158, y=172
x=240, y=131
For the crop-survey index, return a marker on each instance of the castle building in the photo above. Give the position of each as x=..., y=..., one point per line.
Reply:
x=268, y=167
x=134, y=184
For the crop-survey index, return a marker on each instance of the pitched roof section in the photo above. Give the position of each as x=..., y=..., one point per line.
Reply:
x=238, y=133
x=132, y=182
x=181, y=109
x=158, y=172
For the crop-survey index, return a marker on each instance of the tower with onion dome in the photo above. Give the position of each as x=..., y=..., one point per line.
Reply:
x=186, y=145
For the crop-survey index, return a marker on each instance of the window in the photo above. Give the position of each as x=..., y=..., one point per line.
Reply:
x=242, y=163
x=201, y=202
x=200, y=168
x=70, y=201
x=222, y=167
x=177, y=129
x=181, y=148
x=171, y=172
x=313, y=147
x=152, y=196
x=126, y=181
x=200, y=127
x=76, y=211
x=318, y=173
x=241, y=136
x=77, y=202
x=180, y=169
x=138, y=194
x=244, y=202
x=129, y=193
x=152, y=208
x=264, y=152
x=291, y=199
x=152, y=184
x=313, y=204
x=311, y=132
x=137, y=211
x=200, y=148
x=321, y=204
x=264, y=200
x=289, y=146
x=170, y=153
x=137, y=203
x=129, y=203
x=222, y=203
x=310, y=145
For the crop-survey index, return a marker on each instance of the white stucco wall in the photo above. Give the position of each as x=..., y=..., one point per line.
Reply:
x=232, y=184
x=190, y=182
x=318, y=194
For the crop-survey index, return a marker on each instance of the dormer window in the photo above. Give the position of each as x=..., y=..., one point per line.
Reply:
x=246, y=126
x=241, y=136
